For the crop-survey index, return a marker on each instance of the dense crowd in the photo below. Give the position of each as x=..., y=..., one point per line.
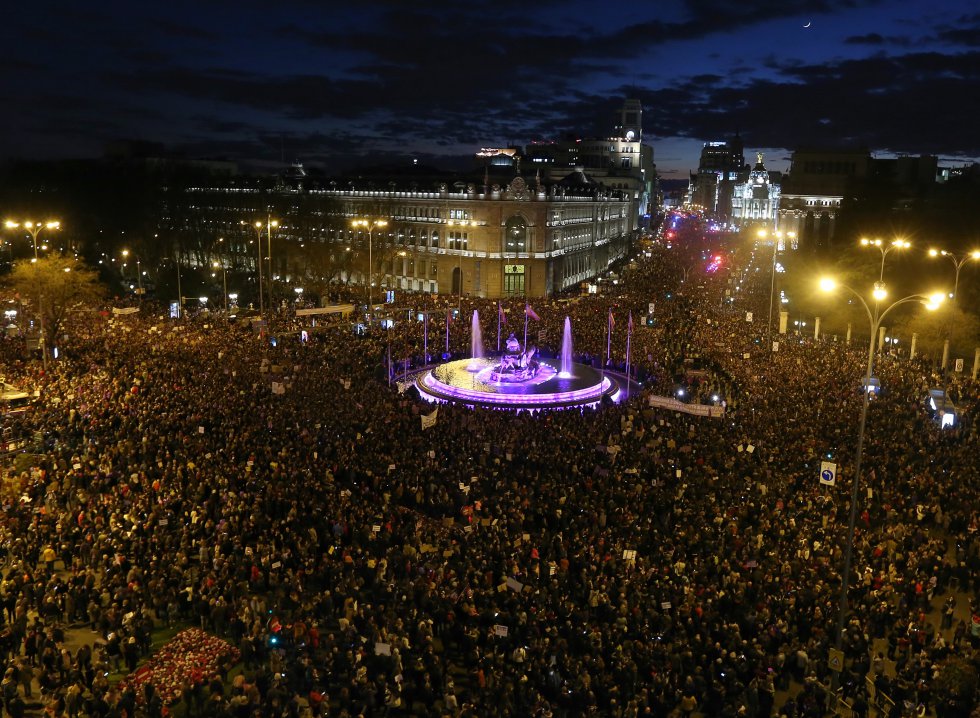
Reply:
x=621, y=561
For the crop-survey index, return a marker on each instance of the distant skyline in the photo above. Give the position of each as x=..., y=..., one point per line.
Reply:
x=378, y=81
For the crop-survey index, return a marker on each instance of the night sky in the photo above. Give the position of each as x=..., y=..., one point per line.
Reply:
x=331, y=83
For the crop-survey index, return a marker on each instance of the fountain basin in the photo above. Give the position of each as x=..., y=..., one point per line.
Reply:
x=472, y=382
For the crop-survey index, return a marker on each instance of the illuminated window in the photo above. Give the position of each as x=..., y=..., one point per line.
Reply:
x=515, y=232
x=458, y=240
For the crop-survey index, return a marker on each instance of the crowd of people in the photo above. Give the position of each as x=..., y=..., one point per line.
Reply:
x=618, y=561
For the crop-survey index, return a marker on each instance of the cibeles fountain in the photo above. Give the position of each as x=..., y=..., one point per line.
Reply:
x=517, y=378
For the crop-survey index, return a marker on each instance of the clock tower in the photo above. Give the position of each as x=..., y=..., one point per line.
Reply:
x=630, y=121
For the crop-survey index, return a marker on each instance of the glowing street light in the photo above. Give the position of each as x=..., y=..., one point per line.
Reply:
x=370, y=226
x=269, y=225
x=224, y=279
x=885, y=249
x=958, y=262
x=34, y=229
x=777, y=239
x=931, y=302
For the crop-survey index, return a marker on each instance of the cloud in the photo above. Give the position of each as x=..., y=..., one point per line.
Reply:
x=886, y=103
x=871, y=38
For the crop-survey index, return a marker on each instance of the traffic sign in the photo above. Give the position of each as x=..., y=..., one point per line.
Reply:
x=836, y=660
x=828, y=473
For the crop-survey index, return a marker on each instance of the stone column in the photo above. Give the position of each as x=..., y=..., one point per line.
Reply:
x=816, y=328
x=915, y=339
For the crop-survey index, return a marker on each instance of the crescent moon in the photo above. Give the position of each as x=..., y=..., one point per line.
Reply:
x=808, y=23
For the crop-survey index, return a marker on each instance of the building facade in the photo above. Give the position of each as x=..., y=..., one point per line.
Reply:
x=620, y=161
x=755, y=201
x=521, y=238
x=814, y=190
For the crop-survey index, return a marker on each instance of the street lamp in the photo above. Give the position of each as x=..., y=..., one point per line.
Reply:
x=875, y=318
x=370, y=226
x=885, y=249
x=958, y=262
x=777, y=238
x=34, y=229
x=224, y=280
x=139, y=275
x=180, y=296
x=259, y=226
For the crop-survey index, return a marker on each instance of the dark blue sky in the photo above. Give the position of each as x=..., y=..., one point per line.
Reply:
x=327, y=82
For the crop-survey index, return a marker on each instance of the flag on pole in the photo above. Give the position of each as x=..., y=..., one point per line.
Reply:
x=500, y=314
x=612, y=320
x=629, y=323
x=531, y=313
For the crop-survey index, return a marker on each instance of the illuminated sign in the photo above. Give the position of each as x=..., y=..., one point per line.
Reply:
x=493, y=152
x=513, y=269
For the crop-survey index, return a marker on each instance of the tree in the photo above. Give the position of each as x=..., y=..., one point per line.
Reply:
x=947, y=322
x=955, y=688
x=57, y=284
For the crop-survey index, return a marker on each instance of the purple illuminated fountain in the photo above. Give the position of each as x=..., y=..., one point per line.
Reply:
x=518, y=379
x=566, y=350
x=476, y=343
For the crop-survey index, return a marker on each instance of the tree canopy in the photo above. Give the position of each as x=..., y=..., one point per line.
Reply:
x=54, y=285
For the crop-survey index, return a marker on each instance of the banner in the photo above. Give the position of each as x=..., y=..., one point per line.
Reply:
x=672, y=404
x=116, y=311
x=429, y=421
x=342, y=309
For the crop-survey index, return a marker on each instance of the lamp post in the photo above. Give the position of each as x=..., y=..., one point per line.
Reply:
x=885, y=249
x=958, y=262
x=370, y=225
x=874, y=320
x=34, y=229
x=269, y=224
x=777, y=236
x=224, y=280
x=139, y=277
x=180, y=295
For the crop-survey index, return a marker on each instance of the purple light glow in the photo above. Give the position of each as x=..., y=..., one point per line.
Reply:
x=455, y=381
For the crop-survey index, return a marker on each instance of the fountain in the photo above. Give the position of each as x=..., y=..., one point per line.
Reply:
x=566, y=350
x=476, y=343
x=518, y=379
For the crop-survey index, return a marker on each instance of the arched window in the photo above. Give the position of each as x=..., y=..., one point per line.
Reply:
x=515, y=235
